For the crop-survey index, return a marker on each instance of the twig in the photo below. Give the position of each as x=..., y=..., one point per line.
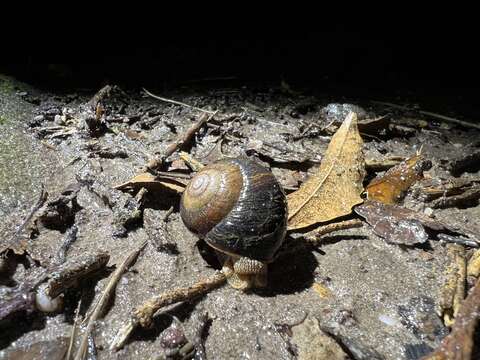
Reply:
x=74, y=331
x=104, y=299
x=156, y=162
x=70, y=238
x=41, y=200
x=460, y=343
x=314, y=237
x=59, y=278
x=459, y=240
x=177, y=102
x=173, y=175
x=167, y=215
x=431, y=114
x=144, y=314
x=67, y=274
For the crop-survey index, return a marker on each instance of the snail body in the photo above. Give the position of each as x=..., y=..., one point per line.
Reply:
x=239, y=209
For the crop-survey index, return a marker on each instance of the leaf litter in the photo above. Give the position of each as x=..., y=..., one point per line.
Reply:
x=336, y=160
x=336, y=187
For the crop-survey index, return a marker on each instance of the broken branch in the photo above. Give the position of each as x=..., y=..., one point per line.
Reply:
x=156, y=162
x=144, y=314
x=107, y=292
x=431, y=114
x=176, y=102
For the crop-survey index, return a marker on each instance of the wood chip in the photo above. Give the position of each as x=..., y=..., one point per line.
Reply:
x=459, y=344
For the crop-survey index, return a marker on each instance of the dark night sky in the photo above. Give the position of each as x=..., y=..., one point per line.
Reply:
x=423, y=56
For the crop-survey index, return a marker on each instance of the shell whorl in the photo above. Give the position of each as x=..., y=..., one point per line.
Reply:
x=239, y=208
x=210, y=196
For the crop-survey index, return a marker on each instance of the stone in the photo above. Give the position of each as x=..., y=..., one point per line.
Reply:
x=313, y=344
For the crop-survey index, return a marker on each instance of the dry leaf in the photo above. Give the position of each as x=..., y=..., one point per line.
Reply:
x=396, y=224
x=390, y=187
x=149, y=181
x=336, y=187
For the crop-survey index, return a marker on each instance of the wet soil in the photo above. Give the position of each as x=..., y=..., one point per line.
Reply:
x=381, y=293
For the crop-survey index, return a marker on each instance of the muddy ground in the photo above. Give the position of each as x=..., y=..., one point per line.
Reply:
x=383, y=296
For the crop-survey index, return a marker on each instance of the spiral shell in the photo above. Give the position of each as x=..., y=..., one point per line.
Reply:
x=238, y=207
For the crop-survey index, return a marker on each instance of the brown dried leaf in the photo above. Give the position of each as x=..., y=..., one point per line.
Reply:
x=459, y=344
x=149, y=181
x=390, y=187
x=374, y=126
x=337, y=185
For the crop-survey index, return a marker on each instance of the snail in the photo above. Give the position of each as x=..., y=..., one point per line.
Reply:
x=238, y=207
x=47, y=304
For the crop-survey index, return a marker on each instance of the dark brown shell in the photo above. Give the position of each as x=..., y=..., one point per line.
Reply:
x=238, y=207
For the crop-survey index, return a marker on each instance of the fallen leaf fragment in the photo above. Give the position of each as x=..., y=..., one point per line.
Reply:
x=459, y=344
x=399, y=225
x=337, y=185
x=396, y=224
x=150, y=181
x=390, y=187
x=376, y=126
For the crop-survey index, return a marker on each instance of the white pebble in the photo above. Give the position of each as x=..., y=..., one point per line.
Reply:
x=428, y=211
x=388, y=320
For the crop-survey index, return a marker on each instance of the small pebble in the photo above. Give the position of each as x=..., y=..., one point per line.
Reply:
x=428, y=211
x=172, y=337
x=388, y=320
x=58, y=120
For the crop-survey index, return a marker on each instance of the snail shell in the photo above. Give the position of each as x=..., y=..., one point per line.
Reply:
x=238, y=207
x=45, y=303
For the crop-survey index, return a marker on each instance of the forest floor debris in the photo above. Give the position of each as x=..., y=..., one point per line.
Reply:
x=99, y=141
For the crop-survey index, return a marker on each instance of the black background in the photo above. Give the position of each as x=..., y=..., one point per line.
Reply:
x=427, y=59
